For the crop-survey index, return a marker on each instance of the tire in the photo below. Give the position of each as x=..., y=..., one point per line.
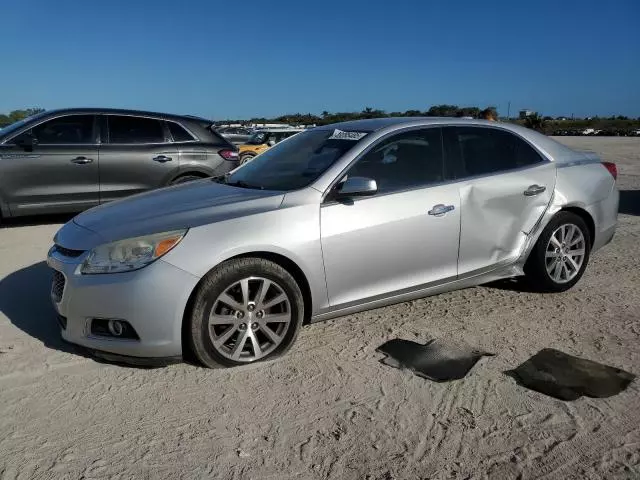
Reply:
x=245, y=158
x=548, y=256
x=216, y=344
x=185, y=179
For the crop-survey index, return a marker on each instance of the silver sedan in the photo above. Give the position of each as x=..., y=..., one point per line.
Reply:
x=335, y=220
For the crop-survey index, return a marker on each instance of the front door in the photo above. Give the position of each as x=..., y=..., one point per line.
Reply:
x=52, y=167
x=403, y=237
x=505, y=187
x=136, y=155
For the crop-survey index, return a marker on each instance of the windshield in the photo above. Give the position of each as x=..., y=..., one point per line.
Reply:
x=294, y=163
x=17, y=125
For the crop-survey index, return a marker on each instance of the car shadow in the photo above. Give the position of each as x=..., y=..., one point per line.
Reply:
x=629, y=202
x=35, y=220
x=25, y=300
x=515, y=284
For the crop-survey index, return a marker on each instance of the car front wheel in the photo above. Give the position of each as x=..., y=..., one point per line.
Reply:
x=561, y=254
x=246, y=310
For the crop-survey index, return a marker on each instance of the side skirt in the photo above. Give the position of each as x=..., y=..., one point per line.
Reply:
x=505, y=269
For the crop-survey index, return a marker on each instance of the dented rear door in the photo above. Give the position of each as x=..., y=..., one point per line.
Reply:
x=505, y=186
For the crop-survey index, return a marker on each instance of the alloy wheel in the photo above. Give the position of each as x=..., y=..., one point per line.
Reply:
x=249, y=319
x=565, y=253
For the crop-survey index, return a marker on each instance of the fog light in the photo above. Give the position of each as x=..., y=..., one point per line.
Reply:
x=115, y=327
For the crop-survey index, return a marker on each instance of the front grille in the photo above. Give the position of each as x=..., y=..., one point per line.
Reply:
x=57, y=286
x=67, y=252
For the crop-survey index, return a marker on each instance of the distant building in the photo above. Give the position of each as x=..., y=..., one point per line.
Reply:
x=526, y=113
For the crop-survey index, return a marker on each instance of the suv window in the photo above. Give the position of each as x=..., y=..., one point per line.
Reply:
x=472, y=151
x=125, y=129
x=178, y=133
x=404, y=161
x=68, y=130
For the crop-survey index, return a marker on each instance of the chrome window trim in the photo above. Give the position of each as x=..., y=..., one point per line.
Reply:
x=148, y=117
x=193, y=137
x=62, y=115
x=544, y=158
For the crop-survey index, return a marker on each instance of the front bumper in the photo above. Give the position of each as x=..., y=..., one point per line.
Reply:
x=152, y=300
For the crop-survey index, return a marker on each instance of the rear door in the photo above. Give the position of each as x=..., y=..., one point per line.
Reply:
x=136, y=155
x=505, y=186
x=59, y=173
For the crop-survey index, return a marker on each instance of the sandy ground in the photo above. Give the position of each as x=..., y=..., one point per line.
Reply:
x=329, y=409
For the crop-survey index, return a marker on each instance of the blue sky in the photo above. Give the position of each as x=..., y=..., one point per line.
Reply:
x=249, y=58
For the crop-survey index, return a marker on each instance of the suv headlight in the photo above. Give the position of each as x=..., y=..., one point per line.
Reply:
x=130, y=254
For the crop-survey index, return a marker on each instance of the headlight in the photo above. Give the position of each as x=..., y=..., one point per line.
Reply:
x=130, y=254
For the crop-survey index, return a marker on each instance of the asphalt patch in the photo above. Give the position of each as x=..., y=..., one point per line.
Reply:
x=566, y=377
x=436, y=360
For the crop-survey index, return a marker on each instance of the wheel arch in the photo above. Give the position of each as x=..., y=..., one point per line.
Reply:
x=188, y=173
x=277, y=258
x=586, y=216
x=550, y=215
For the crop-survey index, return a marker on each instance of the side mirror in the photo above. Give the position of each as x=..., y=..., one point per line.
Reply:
x=271, y=143
x=357, y=187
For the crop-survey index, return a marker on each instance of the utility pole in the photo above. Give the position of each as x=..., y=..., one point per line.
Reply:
x=509, y=110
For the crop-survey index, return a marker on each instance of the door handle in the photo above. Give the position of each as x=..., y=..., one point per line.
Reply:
x=162, y=159
x=440, y=209
x=81, y=160
x=534, y=190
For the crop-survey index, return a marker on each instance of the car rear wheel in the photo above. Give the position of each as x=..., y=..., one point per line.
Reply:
x=561, y=254
x=245, y=158
x=246, y=310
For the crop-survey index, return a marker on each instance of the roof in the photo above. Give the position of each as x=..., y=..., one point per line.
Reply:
x=551, y=147
x=124, y=111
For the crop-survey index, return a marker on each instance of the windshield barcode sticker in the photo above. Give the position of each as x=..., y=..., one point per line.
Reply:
x=342, y=135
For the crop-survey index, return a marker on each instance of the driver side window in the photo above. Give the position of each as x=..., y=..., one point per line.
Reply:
x=68, y=130
x=404, y=161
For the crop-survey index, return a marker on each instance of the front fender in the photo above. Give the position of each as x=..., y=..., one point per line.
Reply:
x=293, y=233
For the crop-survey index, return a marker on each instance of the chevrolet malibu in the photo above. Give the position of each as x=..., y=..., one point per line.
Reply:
x=335, y=220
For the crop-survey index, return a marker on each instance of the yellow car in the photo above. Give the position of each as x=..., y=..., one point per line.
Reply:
x=262, y=140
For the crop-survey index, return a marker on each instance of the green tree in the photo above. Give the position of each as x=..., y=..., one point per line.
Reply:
x=535, y=122
x=443, y=111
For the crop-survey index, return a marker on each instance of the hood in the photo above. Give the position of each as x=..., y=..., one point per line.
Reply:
x=183, y=206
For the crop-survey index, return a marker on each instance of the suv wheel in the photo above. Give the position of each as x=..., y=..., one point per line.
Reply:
x=246, y=310
x=561, y=254
x=185, y=179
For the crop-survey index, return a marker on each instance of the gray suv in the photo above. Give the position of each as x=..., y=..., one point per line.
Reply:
x=64, y=161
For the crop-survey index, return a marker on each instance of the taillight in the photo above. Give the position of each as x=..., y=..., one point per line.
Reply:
x=228, y=154
x=613, y=170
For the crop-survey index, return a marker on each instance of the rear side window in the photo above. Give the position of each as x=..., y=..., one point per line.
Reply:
x=473, y=151
x=69, y=130
x=178, y=133
x=125, y=129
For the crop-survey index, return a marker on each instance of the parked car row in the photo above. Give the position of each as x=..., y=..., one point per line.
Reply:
x=235, y=135
x=607, y=132
x=70, y=160
x=264, y=139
